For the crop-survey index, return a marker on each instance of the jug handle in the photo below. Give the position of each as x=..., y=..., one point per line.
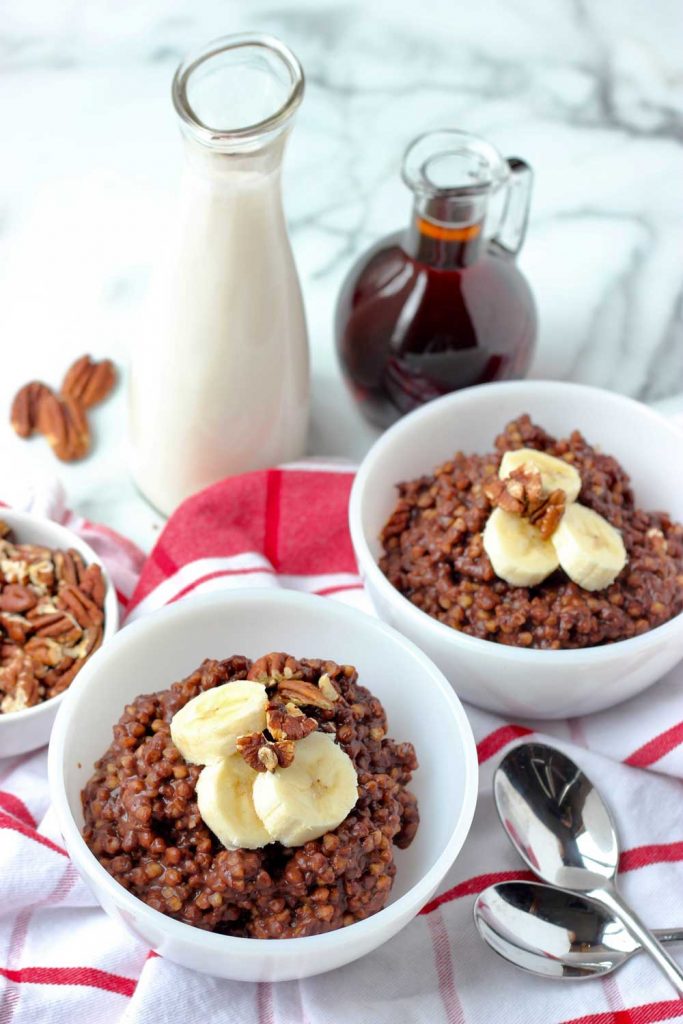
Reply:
x=513, y=223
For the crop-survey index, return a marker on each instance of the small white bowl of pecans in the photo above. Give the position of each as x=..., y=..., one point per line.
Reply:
x=57, y=607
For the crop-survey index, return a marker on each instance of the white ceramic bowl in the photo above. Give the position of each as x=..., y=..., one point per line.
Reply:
x=22, y=731
x=421, y=707
x=510, y=680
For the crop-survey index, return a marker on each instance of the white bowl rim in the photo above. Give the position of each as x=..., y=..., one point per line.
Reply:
x=111, y=605
x=86, y=861
x=441, y=632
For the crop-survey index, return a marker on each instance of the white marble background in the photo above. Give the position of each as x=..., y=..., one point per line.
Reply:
x=590, y=93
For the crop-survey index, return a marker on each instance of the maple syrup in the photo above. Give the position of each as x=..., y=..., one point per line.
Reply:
x=441, y=306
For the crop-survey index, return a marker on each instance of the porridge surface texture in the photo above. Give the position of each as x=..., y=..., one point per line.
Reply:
x=143, y=824
x=434, y=555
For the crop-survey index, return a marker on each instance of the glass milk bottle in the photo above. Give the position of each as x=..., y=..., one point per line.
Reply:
x=219, y=382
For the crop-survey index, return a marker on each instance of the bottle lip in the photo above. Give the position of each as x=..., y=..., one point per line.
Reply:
x=218, y=138
x=441, y=152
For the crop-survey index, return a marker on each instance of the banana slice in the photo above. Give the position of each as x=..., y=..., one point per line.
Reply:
x=205, y=730
x=555, y=473
x=309, y=798
x=518, y=553
x=226, y=804
x=590, y=549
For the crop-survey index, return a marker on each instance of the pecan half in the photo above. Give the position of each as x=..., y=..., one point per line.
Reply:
x=89, y=382
x=57, y=679
x=287, y=722
x=65, y=567
x=53, y=624
x=25, y=406
x=15, y=626
x=263, y=756
x=305, y=694
x=82, y=607
x=63, y=423
x=88, y=643
x=17, y=598
x=92, y=584
x=45, y=651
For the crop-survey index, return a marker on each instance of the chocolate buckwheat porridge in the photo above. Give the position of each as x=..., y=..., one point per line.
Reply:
x=536, y=544
x=231, y=750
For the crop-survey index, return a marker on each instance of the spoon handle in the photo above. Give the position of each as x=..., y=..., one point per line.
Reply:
x=612, y=899
x=668, y=934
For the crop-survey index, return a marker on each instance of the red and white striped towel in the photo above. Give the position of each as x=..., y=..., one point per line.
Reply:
x=62, y=960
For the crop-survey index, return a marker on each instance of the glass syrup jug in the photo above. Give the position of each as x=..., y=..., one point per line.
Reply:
x=442, y=305
x=219, y=383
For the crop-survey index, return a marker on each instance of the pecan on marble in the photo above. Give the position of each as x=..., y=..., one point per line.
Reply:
x=64, y=425
x=25, y=406
x=89, y=382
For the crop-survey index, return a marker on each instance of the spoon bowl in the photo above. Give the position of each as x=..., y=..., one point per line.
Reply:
x=556, y=818
x=557, y=821
x=555, y=934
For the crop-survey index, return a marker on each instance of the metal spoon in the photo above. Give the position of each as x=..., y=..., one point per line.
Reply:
x=555, y=934
x=557, y=821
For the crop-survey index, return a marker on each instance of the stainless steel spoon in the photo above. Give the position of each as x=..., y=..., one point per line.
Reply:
x=557, y=821
x=553, y=933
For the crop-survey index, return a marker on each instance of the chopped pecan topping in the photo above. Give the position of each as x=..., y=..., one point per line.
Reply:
x=288, y=722
x=44, y=650
x=327, y=688
x=301, y=693
x=14, y=570
x=271, y=668
x=521, y=494
x=42, y=574
x=89, y=382
x=517, y=493
x=264, y=756
x=548, y=515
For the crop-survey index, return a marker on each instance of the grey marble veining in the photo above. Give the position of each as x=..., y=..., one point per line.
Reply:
x=590, y=94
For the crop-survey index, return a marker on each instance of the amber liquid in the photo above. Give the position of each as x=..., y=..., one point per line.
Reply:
x=420, y=316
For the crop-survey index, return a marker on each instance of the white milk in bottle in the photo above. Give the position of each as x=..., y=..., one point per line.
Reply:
x=219, y=382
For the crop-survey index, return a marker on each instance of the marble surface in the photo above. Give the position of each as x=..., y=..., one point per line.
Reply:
x=591, y=94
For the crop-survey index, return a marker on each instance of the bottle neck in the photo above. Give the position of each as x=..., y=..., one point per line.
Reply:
x=445, y=246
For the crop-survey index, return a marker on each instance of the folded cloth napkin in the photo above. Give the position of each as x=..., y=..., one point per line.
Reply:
x=63, y=960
